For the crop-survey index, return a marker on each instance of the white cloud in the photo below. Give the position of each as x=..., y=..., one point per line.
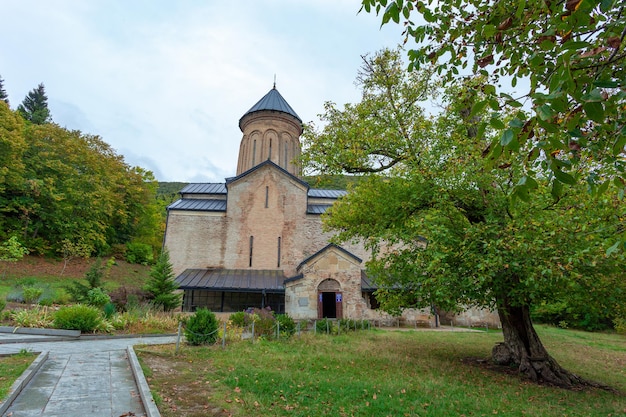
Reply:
x=165, y=83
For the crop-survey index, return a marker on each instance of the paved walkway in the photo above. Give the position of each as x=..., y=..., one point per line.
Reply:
x=79, y=378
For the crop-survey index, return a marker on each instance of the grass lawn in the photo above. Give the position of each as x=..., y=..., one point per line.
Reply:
x=381, y=373
x=11, y=367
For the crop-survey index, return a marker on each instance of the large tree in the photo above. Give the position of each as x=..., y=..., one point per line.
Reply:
x=34, y=108
x=65, y=189
x=564, y=60
x=427, y=181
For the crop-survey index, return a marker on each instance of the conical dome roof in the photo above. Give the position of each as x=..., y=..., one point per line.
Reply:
x=272, y=101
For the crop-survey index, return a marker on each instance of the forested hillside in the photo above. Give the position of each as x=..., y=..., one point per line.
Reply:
x=65, y=192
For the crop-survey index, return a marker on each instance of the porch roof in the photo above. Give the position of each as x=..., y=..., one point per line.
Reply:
x=232, y=280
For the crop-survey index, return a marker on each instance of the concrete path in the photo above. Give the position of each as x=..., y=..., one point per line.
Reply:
x=80, y=377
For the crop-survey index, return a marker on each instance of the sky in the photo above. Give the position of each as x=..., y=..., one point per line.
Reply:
x=165, y=82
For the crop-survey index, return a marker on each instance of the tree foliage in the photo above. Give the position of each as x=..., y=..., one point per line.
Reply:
x=34, y=108
x=563, y=60
x=59, y=186
x=432, y=186
x=3, y=94
x=161, y=285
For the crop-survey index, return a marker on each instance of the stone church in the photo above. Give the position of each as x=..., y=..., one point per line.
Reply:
x=256, y=240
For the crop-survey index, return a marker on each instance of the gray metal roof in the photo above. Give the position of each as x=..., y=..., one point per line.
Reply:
x=198, y=204
x=272, y=101
x=366, y=284
x=205, y=188
x=317, y=208
x=317, y=193
x=236, y=280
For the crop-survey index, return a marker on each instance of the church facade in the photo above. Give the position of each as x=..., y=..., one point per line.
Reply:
x=256, y=239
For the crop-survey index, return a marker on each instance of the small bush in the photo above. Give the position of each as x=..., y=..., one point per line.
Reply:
x=325, y=326
x=287, y=325
x=238, y=319
x=97, y=297
x=3, y=304
x=109, y=309
x=139, y=253
x=78, y=317
x=201, y=328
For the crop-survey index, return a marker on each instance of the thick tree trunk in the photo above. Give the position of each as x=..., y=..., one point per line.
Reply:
x=523, y=348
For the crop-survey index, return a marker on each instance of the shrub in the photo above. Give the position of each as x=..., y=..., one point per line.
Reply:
x=139, y=253
x=238, y=319
x=3, y=304
x=287, y=325
x=201, y=328
x=325, y=326
x=109, y=310
x=78, y=317
x=97, y=297
x=31, y=294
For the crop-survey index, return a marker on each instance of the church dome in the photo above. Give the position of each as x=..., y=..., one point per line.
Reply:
x=271, y=131
x=272, y=101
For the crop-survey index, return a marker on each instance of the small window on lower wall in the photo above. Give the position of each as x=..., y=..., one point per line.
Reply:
x=371, y=300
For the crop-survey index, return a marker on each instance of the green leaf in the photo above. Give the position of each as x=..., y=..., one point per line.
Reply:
x=606, y=5
x=478, y=107
x=606, y=84
x=545, y=112
x=613, y=248
x=595, y=111
x=618, y=146
x=489, y=31
x=564, y=177
x=557, y=189
x=496, y=123
x=507, y=137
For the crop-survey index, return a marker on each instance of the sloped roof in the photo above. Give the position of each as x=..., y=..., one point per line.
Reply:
x=317, y=208
x=204, y=188
x=198, y=204
x=272, y=101
x=320, y=193
x=235, y=280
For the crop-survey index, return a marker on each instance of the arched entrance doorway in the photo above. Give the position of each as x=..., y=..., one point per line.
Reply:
x=329, y=300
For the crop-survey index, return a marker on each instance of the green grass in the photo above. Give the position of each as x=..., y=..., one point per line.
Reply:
x=382, y=373
x=11, y=367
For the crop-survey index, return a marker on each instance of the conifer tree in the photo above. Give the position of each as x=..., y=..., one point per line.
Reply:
x=161, y=284
x=35, y=106
x=3, y=94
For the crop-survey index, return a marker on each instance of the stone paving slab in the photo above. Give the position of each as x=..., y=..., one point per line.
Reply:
x=82, y=378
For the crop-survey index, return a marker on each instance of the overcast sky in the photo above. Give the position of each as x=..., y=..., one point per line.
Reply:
x=165, y=82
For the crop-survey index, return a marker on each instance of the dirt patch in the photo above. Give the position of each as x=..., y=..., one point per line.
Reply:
x=37, y=266
x=181, y=390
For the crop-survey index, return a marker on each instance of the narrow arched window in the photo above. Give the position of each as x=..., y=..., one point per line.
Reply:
x=253, y=152
x=269, y=155
x=278, y=263
x=267, y=196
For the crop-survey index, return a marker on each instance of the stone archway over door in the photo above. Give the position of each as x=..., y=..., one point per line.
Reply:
x=329, y=300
